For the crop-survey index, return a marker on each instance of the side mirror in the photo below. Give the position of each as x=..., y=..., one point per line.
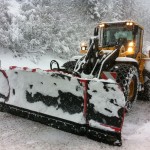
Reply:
x=96, y=43
x=96, y=31
x=135, y=31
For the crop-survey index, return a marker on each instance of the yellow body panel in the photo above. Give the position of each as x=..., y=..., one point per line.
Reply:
x=130, y=49
x=83, y=51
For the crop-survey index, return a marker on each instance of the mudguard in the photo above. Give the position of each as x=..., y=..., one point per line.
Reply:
x=94, y=108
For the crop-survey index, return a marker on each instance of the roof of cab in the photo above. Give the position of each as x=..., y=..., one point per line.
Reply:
x=118, y=22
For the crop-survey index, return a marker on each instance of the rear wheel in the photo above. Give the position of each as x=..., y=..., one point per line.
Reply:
x=127, y=77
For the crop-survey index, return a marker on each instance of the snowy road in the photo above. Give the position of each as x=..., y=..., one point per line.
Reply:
x=18, y=133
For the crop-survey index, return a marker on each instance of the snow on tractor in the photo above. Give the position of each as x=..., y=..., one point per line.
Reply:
x=89, y=94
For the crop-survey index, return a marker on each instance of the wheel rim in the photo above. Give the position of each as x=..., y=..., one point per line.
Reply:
x=131, y=90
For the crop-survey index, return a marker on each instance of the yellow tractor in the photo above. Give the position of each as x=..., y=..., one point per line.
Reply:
x=116, y=47
x=89, y=94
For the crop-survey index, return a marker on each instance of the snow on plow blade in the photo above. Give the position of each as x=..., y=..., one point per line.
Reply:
x=94, y=108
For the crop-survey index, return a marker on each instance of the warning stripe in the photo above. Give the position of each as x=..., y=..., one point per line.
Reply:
x=108, y=75
x=12, y=67
x=36, y=70
x=24, y=68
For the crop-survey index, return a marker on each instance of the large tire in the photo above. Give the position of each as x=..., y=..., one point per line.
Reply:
x=1, y=107
x=145, y=95
x=128, y=78
x=147, y=91
x=69, y=66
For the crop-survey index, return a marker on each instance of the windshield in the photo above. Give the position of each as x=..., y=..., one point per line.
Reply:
x=112, y=35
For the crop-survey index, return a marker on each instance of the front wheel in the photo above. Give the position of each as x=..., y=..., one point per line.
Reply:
x=1, y=107
x=69, y=66
x=145, y=95
x=128, y=78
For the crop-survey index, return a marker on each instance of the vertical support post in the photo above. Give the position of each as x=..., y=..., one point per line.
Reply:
x=85, y=86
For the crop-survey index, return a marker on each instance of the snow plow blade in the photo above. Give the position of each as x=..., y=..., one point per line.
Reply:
x=94, y=108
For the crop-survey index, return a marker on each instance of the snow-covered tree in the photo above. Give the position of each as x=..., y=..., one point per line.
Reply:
x=129, y=7
x=93, y=9
x=97, y=9
x=103, y=8
x=118, y=11
x=60, y=25
x=5, y=23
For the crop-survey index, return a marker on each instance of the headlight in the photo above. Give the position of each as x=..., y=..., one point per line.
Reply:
x=131, y=47
x=83, y=46
x=130, y=50
x=131, y=44
x=102, y=25
x=129, y=23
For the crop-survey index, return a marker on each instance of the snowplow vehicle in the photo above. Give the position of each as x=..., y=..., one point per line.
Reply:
x=89, y=94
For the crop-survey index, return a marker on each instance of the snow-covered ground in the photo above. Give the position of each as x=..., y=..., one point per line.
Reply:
x=8, y=59
x=21, y=134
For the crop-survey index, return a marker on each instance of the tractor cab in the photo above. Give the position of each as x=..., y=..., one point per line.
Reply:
x=127, y=34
